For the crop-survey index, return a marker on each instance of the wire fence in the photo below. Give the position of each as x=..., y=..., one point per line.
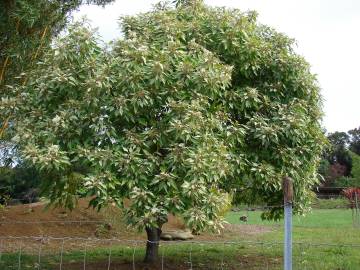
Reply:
x=97, y=253
x=238, y=248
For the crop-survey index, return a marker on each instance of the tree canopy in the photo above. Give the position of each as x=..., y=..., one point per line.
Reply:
x=26, y=26
x=340, y=163
x=338, y=150
x=354, y=143
x=190, y=104
x=26, y=29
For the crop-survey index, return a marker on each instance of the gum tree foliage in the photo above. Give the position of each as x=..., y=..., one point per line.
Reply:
x=191, y=103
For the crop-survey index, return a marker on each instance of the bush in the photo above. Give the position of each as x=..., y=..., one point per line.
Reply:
x=333, y=203
x=346, y=182
x=353, y=196
x=19, y=182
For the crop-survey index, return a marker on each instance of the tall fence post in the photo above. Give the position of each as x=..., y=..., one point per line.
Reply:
x=288, y=201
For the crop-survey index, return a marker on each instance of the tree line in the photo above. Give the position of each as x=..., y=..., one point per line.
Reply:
x=340, y=164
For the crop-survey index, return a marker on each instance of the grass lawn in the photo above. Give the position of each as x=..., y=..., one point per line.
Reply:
x=322, y=218
x=321, y=238
x=321, y=241
x=175, y=256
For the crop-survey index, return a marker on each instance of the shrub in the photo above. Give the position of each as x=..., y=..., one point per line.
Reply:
x=19, y=182
x=332, y=203
x=353, y=195
x=345, y=181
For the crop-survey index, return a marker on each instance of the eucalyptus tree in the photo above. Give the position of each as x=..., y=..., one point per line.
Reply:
x=190, y=103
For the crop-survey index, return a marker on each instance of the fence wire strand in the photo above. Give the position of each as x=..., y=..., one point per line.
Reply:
x=133, y=257
x=20, y=253
x=198, y=242
x=61, y=253
x=85, y=251
x=162, y=258
x=1, y=248
x=39, y=256
x=109, y=258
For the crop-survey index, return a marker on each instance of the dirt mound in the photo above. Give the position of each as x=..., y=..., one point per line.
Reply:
x=38, y=220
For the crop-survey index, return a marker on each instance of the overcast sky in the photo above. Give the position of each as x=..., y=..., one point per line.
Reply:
x=327, y=34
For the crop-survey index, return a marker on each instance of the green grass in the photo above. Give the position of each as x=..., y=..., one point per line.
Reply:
x=322, y=218
x=330, y=203
x=321, y=238
x=202, y=256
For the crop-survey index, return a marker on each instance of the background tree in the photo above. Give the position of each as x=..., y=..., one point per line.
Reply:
x=354, y=144
x=26, y=28
x=18, y=179
x=192, y=102
x=324, y=168
x=20, y=182
x=338, y=151
x=342, y=160
x=355, y=170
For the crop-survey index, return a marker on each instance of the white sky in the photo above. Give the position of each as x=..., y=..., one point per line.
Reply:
x=327, y=34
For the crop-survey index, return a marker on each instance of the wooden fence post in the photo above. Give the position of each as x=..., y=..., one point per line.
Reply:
x=288, y=201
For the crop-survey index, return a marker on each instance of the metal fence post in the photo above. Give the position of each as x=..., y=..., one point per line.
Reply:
x=288, y=201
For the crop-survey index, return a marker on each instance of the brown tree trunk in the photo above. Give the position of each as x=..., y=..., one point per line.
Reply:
x=152, y=245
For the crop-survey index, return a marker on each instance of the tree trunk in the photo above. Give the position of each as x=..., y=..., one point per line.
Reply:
x=152, y=245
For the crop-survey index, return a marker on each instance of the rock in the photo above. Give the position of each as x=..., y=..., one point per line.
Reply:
x=28, y=210
x=62, y=215
x=107, y=226
x=176, y=235
x=243, y=218
x=165, y=236
x=194, y=232
x=43, y=240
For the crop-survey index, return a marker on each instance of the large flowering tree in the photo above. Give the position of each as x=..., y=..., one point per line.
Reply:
x=191, y=102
